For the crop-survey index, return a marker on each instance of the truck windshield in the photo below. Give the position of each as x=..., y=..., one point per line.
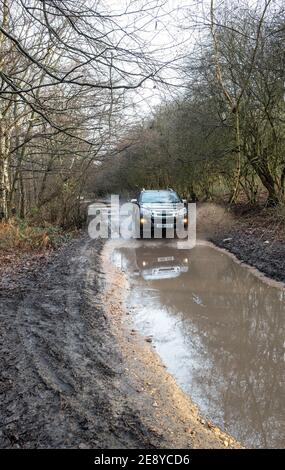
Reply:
x=159, y=197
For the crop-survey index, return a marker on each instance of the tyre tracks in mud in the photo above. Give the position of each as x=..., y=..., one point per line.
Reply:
x=60, y=367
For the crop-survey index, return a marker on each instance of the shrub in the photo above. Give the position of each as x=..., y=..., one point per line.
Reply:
x=19, y=234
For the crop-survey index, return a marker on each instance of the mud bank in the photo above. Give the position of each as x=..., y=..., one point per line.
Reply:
x=74, y=374
x=256, y=238
x=268, y=256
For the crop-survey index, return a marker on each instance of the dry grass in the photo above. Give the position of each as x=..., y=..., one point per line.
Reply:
x=19, y=235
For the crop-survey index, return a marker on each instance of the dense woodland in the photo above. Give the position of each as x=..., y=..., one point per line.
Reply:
x=67, y=69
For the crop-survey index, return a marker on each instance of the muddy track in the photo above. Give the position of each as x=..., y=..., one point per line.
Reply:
x=60, y=361
x=65, y=368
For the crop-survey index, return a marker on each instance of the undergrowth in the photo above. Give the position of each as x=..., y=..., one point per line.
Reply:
x=22, y=235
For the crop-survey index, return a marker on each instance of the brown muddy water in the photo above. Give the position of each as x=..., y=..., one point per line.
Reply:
x=219, y=330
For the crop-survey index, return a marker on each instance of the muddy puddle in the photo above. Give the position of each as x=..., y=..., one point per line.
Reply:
x=219, y=330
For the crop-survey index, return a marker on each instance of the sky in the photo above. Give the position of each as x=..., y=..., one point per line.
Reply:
x=159, y=30
x=169, y=32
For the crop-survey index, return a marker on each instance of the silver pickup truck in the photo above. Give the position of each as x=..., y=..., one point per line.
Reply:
x=160, y=209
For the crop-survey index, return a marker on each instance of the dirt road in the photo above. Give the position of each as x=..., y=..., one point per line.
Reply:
x=74, y=375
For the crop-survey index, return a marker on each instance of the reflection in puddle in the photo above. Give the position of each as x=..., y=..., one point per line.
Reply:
x=219, y=330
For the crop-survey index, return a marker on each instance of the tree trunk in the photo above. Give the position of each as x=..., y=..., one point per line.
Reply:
x=4, y=177
x=238, y=168
x=267, y=180
x=22, y=206
x=282, y=183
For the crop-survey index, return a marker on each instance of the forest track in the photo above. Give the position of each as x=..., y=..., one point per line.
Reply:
x=69, y=367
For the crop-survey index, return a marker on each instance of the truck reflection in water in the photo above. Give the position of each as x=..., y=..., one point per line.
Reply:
x=166, y=263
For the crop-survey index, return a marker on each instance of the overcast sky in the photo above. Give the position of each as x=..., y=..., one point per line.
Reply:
x=164, y=39
x=166, y=31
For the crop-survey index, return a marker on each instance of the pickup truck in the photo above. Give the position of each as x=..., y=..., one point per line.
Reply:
x=160, y=210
